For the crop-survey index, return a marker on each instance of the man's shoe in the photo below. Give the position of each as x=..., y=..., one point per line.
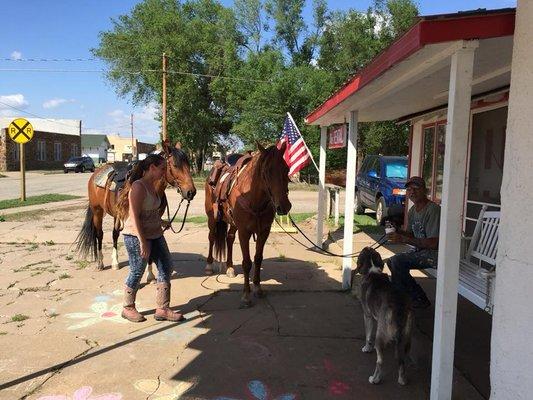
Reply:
x=420, y=302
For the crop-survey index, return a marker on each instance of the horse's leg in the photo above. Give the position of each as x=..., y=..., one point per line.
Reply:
x=116, y=234
x=230, y=270
x=244, y=239
x=258, y=260
x=209, y=262
x=98, y=216
x=150, y=277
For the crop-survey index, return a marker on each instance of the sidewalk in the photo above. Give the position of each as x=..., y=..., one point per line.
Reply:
x=302, y=340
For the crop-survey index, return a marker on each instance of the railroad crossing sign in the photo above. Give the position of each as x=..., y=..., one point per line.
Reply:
x=20, y=130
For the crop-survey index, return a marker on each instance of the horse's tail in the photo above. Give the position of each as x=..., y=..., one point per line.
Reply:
x=86, y=240
x=221, y=233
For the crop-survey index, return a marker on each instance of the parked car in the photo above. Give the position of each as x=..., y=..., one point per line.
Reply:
x=79, y=164
x=380, y=186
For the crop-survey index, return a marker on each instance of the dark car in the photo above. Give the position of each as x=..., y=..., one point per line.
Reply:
x=380, y=186
x=79, y=164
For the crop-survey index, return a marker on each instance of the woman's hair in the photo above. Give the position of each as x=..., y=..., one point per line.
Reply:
x=136, y=173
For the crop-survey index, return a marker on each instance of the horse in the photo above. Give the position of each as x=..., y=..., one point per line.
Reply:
x=258, y=192
x=103, y=201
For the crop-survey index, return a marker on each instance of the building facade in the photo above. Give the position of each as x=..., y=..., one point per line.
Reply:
x=53, y=142
x=95, y=146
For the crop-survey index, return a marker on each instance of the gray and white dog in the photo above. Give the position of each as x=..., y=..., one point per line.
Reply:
x=390, y=308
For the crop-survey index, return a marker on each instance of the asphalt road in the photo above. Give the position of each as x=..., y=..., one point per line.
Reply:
x=76, y=184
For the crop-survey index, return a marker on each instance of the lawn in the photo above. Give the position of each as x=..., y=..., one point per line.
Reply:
x=362, y=223
x=32, y=200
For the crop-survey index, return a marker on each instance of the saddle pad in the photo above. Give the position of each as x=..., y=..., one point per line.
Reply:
x=223, y=177
x=235, y=180
x=102, y=175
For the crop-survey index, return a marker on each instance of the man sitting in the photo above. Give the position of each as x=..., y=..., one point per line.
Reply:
x=422, y=232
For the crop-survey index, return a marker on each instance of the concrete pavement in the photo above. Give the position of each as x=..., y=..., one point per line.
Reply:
x=301, y=341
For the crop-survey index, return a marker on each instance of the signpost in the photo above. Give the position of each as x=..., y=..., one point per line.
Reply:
x=337, y=137
x=21, y=131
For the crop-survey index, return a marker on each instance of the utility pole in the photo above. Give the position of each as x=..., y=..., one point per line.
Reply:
x=164, y=105
x=132, y=151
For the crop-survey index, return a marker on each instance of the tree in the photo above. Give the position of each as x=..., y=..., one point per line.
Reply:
x=201, y=40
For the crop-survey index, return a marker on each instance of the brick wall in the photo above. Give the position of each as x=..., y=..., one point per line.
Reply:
x=8, y=150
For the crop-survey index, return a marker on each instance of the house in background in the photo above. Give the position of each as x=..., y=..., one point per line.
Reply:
x=95, y=146
x=145, y=148
x=53, y=142
x=121, y=148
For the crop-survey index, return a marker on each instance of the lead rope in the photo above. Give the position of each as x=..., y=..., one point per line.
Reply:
x=176, y=213
x=378, y=242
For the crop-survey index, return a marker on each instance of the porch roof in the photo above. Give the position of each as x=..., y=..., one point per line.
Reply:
x=412, y=74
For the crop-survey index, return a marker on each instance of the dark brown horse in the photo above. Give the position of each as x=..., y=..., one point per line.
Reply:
x=260, y=190
x=103, y=201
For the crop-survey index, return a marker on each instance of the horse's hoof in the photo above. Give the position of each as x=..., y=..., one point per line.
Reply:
x=208, y=269
x=230, y=272
x=99, y=268
x=115, y=267
x=245, y=304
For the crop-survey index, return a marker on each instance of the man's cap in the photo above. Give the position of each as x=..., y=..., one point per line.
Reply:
x=417, y=181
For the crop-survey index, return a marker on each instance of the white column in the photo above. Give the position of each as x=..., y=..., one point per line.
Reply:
x=455, y=156
x=349, y=201
x=321, y=186
x=511, y=356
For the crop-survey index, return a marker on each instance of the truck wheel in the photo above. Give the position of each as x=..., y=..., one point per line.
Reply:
x=381, y=210
x=358, y=206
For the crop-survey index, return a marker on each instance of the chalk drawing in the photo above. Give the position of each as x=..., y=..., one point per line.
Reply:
x=159, y=390
x=83, y=393
x=259, y=391
x=100, y=312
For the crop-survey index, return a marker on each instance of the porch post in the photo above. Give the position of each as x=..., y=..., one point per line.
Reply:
x=455, y=156
x=349, y=201
x=321, y=186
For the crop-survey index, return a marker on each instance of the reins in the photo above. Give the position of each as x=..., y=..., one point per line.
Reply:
x=174, y=216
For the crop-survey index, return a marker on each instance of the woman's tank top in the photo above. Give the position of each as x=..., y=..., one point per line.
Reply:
x=150, y=220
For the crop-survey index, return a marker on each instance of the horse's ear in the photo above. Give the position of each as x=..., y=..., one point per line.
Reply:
x=178, y=145
x=261, y=148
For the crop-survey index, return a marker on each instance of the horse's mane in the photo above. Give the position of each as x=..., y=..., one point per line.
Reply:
x=265, y=159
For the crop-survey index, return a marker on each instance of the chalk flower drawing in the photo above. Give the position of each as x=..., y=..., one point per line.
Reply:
x=259, y=391
x=83, y=393
x=100, y=312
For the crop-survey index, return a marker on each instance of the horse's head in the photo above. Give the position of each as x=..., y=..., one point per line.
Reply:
x=275, y=177
x=178, y=172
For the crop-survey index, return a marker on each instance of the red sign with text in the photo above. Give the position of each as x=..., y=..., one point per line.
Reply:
x=337, y=137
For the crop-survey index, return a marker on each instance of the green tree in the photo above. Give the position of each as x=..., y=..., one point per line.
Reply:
x=200, y=37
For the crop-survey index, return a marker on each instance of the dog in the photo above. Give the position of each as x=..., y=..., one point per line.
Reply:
x=386, y=306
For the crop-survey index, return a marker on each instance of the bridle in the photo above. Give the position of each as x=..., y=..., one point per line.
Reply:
x=174, y=183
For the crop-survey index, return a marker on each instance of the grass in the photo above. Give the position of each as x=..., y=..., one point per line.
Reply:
x=19, y=318
x=49, y=243
x=64, y=276
x=3, y=333
x=82, y=264
x=34, y=215
x=33, y=200
x=362, y=223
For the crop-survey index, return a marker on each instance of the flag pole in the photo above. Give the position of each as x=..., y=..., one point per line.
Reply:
x=305, y=144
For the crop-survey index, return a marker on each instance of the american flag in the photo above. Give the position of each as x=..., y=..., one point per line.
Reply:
x=296, y=154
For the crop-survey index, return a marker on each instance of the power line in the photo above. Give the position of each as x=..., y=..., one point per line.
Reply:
x=74, y=59
x=133, y=73
x=58, y=122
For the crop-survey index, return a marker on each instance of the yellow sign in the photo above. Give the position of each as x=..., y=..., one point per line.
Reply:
x=20, y=130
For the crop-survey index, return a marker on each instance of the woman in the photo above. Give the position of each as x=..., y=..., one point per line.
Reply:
x=143, y=237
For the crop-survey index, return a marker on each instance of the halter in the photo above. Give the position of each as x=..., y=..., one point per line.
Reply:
x=175, y=184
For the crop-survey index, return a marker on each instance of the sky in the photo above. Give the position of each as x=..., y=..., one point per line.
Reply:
x=68, y=29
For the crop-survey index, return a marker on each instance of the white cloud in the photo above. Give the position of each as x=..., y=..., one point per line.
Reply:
x=11, y=101
x=16, y=55
x=53, y=103
x=148, y=113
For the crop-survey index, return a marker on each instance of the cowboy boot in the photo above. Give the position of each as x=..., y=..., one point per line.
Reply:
x=129, y=311
x=162, y=299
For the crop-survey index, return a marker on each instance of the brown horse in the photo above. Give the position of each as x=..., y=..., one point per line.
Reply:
x=260, y=190
x=103, y=201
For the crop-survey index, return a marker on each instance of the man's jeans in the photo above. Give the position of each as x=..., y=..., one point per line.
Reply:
x=401, y=264
x=159, y=254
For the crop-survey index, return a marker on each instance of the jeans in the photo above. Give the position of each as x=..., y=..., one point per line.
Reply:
x=401, y=264
x=159, y=254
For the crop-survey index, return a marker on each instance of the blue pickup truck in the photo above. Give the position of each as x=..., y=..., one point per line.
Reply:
x=380, y=186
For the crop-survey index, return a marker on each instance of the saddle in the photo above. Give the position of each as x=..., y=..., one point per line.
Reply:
x=223, y=177
x=114, y=176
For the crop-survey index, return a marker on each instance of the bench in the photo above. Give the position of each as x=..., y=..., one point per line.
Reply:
x=477, y=267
